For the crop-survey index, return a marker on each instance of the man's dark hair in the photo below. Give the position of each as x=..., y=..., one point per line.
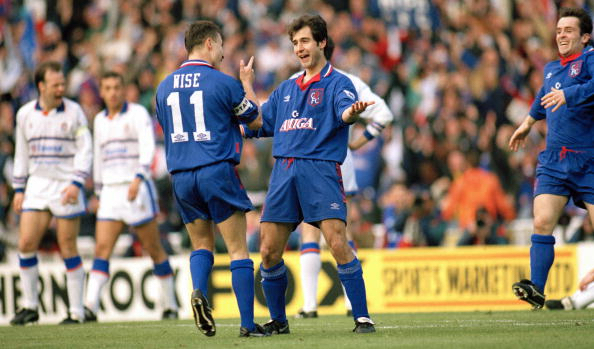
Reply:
x=329, y=49
x=43, y=68
x=198, y=32
x=581, y=14
x=316, y=23
x=112, y=74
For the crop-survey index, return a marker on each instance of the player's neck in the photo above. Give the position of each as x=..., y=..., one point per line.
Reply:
x=114, y=110
x=46, y=106
x=199, y=56
x=313, y=71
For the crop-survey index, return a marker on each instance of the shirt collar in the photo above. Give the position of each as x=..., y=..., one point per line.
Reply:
x=59, y=109
x=565, y=60
x=326, y=71
x=122, y=111
x=196, y=62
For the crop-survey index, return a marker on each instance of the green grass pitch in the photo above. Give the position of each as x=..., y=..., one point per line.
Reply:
x=515, y=329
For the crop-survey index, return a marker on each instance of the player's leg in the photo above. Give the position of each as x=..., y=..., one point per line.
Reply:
x=347, y=303
x=582, y=299
x=547, y=210
x=590, y=209
x=579, y=300
x=311, y=264
x=32, y=227
x=323, y=202
x=194, y=213
x=67, y=232
x=350, y=272
x=68, y=226
x=106, y=236
x=148, y=234
x=140, y=213
x=273, y=239
x=201, y=260
x=233, y=230
x=281, y=214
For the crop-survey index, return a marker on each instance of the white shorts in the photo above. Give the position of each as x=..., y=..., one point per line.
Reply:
x=349, y=181
x=114, y=204
x=43, y=194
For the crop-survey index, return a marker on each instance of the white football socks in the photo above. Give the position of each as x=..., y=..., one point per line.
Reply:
x=311, y=264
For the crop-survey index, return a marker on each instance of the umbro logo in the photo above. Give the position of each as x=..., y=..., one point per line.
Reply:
x=334, y=206
x=287, y=98
x=350, y=94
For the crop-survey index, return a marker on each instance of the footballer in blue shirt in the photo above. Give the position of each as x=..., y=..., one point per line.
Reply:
x=199, y=109
x=309, y=117
x=565, y=168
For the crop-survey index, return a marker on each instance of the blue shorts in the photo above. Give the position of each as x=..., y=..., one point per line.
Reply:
x=304, y=190
x=566, y=172
x=213, y=192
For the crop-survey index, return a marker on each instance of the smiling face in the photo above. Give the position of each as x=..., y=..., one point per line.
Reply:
x=309, y=52
x=569, y=39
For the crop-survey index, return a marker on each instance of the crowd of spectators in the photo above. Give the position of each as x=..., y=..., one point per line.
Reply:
x=457, y=74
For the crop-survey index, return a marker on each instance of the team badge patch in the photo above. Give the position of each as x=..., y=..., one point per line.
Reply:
x=575, y=69
x=315, y=96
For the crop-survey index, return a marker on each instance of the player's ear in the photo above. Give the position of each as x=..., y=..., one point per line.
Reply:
x=323, y=43
x=586, y=38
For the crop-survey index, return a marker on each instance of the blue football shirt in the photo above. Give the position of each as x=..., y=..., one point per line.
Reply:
x=199, y=109
x=306, y=118
x=572, y=125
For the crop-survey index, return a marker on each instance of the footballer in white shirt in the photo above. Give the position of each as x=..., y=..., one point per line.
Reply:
x=52, y=158
x=124, y=147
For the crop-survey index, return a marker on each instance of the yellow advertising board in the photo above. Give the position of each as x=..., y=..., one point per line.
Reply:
x=413, y=280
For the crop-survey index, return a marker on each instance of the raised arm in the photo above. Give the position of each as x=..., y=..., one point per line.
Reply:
x=247, y=77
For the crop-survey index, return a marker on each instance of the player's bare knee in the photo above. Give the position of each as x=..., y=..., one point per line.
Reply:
x=270, y=256
x=27, y=246
x=543, y=225
x=102, y=250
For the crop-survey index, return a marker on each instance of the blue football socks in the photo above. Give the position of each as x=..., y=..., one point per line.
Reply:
x=274, y=283
x=242, y=279
x=200, y=267
x=163, y=269
x=542, y=255
x=351, y=276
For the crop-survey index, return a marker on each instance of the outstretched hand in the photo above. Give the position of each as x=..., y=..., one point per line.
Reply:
x=554, y=98
x=518, y=139
x=352, y=113
x=359, y=106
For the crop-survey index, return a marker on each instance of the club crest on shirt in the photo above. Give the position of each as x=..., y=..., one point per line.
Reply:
x=575, y=68
x=64, y=126
x=315, y=96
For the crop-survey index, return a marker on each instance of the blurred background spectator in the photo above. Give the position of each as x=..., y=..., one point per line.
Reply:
x=457, y=74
